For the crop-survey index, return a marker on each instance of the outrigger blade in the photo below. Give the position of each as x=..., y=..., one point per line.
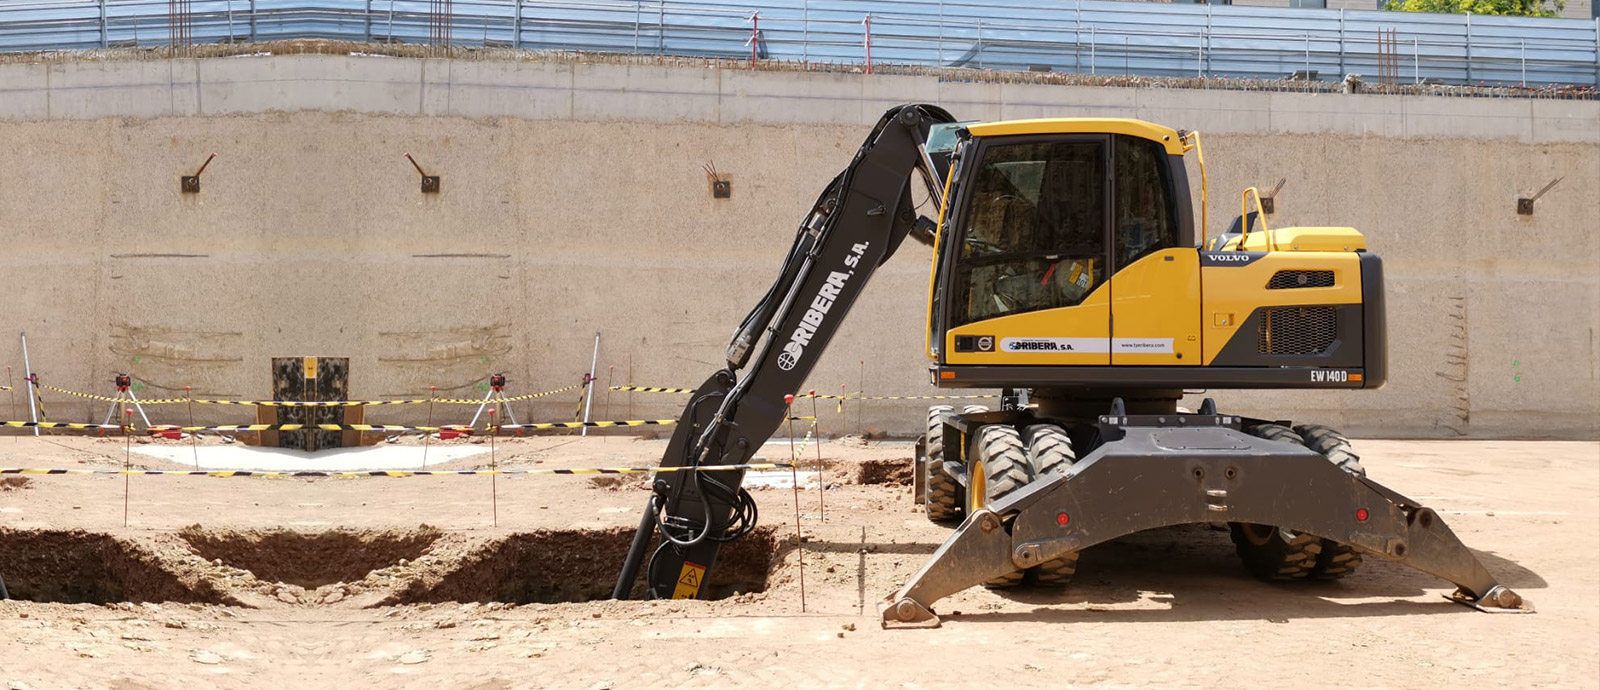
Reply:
x=1157, y=476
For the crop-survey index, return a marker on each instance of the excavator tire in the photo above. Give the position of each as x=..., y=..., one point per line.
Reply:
x=1050, y=450
x=943, y=494
x=1269, y=552
x=998, y=455
x=1336, y=560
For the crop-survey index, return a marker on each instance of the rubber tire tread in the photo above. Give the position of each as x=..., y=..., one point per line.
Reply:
x=1006, y=469
x=942, y=497
x=1050, y=449
x=1336, y=560
x=1286, y=555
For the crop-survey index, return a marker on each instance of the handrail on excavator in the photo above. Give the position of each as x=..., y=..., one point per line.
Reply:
x=1191, y=142
x=1244, y=214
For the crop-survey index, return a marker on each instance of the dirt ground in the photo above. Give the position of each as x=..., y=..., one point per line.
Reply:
x=410, y=583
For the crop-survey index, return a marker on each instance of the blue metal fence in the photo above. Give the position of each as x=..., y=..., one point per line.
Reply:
x=1089, y=36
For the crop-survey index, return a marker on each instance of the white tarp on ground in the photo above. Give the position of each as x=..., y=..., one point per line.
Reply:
x=287, y=460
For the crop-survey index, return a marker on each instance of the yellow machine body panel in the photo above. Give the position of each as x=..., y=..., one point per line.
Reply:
x=1155, y=310
x=1300, y=240
x=1076, y=335
x=1154, y=305
x=1234, y=291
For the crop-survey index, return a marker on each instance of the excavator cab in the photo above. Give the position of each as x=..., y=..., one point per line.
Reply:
x=1068, y=257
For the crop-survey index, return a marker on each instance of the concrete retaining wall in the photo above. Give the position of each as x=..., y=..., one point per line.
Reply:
x=574, y=201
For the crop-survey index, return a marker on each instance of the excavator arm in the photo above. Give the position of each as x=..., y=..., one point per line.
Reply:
x=856, y=224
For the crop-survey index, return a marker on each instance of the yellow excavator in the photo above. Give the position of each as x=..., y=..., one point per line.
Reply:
x=1070, y=274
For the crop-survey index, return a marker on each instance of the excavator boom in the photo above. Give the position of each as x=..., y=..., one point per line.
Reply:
x=855, y=225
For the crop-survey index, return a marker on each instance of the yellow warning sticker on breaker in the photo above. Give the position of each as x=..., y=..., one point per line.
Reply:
x=689, y=581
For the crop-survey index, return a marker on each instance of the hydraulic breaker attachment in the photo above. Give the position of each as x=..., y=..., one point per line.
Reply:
x=1206, y=470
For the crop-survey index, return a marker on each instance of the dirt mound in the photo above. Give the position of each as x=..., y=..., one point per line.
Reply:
x=620, y=482
x=14, y=483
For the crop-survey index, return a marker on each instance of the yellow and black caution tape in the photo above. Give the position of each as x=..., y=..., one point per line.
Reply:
x=851, y=396
x=310, y=403
x=517, y=398
x=810, y=432
x=102, y=398
x=579, y=425
x=305, y=403
x=299, y=427
x=922, y=397
x=649, y=389
x=61, y=425
x=403, y=473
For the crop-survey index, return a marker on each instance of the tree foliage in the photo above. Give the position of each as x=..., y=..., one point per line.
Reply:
x=1516, y=8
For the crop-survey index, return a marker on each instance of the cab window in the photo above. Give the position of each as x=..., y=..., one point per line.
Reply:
x=1145, y=217
x=1035, y=227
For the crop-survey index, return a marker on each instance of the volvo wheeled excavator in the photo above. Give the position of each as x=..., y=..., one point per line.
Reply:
x=1068, y=273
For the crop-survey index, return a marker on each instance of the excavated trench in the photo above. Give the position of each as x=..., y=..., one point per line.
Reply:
x=310, y=559
x=382, y=567
x=79, y=567
x=558, y=566
x=897, y=472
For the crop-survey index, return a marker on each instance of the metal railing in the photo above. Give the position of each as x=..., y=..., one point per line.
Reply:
x=1088, y=37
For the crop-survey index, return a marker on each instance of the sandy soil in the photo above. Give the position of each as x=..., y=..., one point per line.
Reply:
x=289, y=581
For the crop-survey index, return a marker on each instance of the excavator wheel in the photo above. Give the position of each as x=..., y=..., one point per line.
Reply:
x=1271, y=552
x=943, y=494
x=1050, y=450
x=999, y=466
x=1336, y=560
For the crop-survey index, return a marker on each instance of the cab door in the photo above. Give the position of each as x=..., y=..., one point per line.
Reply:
x=1155, y=287
x=1024, y=277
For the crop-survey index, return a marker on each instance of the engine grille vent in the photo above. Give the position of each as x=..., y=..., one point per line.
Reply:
x=1297, y=330
x=1289, y=280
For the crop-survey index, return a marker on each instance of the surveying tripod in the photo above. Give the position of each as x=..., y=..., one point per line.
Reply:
x=496, y=395
x=125, y=394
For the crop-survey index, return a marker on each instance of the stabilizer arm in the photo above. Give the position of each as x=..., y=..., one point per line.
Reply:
x=1156, y=477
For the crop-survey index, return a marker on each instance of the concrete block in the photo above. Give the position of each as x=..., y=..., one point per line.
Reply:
x=637, y=92
x=88, y=90
x=1541, y=385
x=1559, y=121
x=368, y=84
x=246, y=85
x=185, y=77
x=310, y=82
x=1211, y=112
x=971, y=100
x=1477, y=118
x=1028, y=101
x=437, y=75
x=1336, y=113
x=24, y=91
x=790, y=97
x=532, y=90
x=882, y=92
